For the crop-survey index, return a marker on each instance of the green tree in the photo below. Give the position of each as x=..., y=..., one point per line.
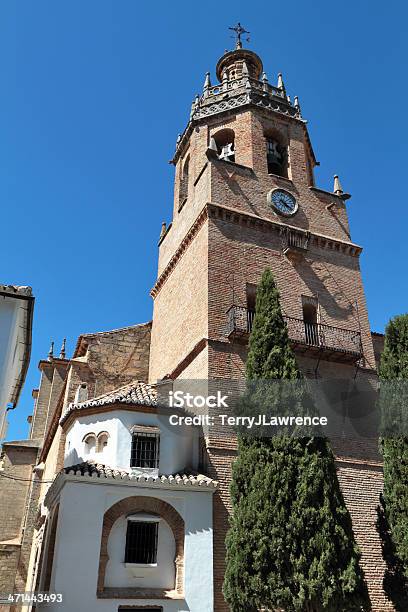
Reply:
x=394, y=404
x=290, y=544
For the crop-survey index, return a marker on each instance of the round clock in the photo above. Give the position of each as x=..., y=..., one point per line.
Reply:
x=283, y=202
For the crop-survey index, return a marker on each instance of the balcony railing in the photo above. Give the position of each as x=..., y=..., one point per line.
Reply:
x=306, y=337
x=296, y=239
x=241, y=82
x=295, y=243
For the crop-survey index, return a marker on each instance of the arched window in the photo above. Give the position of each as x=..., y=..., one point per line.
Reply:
x=225, y=141
x=183, y=194
x=81, y=394
x=186, y=167
x=276, y=154
x=311, y=319
x=89, y=441
x=103, y=437
x=147, y=531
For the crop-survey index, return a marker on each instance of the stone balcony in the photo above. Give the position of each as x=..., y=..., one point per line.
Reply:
x=295, y=243
x=240, y=92
x=320, y=340
x=248, y=83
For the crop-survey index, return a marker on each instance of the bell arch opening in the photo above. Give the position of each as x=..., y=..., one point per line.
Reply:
x=225, y=141
x=276, y=153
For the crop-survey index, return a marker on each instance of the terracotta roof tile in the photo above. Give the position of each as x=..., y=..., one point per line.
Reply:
x=136, y=392
x=99, y=470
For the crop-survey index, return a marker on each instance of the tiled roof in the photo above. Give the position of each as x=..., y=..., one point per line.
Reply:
x=136, y=392
x=99, y=470
x=19, y=289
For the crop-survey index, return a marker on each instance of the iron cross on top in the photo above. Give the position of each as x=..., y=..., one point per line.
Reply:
x=239, y=30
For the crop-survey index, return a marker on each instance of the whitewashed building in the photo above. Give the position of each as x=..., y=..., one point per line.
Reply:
x=16, y=316
x=145, y=521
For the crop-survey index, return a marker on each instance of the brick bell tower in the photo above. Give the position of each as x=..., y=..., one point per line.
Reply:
x=244, y=200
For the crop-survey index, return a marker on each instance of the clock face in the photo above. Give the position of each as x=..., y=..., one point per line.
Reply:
x=283, y=202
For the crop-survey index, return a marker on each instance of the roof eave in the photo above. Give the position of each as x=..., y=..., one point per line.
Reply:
x=75, y=412
x=28, y=330
x=62, y=478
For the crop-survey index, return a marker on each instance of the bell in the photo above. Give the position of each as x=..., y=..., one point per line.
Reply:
x=227, y=152
x=274, y=158
x=274, y=155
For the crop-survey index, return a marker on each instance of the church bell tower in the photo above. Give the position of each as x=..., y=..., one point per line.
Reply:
x=245, y=199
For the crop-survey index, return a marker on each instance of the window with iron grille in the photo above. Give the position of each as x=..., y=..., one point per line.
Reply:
x=145, y=450
x=141, y=542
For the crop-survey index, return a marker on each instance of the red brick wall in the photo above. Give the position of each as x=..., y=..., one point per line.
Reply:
x=238, y=254
x=180, y=316
x=219, y=467
x=237, y=249
x=361, y=485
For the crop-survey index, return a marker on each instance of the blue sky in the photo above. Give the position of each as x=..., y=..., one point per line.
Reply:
x=94, y=94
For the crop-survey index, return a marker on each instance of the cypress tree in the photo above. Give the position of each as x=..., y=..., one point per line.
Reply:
x=290, y=545
x=394, y=370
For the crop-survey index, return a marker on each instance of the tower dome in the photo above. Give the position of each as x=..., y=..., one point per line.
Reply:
x=232, y=63
x=240, y=62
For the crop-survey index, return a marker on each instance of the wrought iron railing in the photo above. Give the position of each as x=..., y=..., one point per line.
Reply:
x=317, y=335
x=324, y=336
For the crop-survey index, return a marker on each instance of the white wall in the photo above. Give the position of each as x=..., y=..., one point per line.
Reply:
x=178, y=447
x=10, y=364
x=76, y=557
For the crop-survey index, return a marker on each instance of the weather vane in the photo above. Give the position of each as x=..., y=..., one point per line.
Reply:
x=239, y=30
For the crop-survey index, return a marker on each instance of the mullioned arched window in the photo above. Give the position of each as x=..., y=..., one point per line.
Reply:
x=89, y=441
x=102, y=441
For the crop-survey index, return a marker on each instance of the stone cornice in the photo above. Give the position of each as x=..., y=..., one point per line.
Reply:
x=53, y=361
x=330, y=194
x=249, y=220
x=220, y=105
x=188, y=238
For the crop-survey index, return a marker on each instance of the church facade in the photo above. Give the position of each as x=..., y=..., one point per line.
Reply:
x=116, y=512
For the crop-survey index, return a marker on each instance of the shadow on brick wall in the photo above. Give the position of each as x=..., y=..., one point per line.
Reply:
x=395, y=583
